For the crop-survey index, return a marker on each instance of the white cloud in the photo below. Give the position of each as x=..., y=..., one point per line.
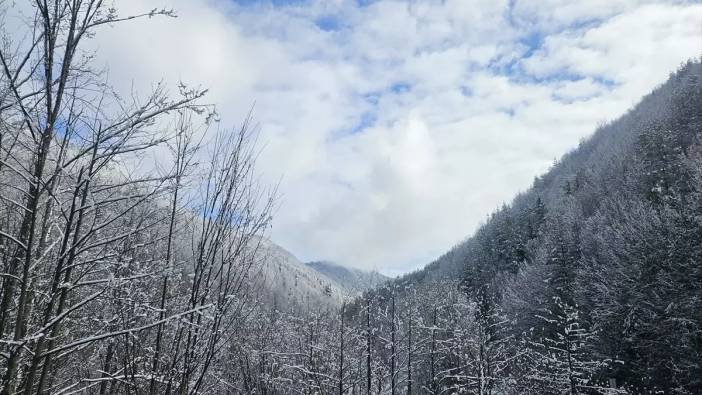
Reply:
x=398, y=126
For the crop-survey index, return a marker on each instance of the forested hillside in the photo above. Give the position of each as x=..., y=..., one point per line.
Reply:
x=590, y=281
x=352, y=280
x=134, y=254
x=286, y=284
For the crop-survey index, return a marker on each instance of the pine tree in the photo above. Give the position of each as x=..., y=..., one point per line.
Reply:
x=560, y=355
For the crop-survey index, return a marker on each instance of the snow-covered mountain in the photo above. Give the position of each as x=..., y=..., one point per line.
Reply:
x=352, y=280
x=288, y=284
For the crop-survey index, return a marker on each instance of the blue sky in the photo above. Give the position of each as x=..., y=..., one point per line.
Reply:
x=396, y=127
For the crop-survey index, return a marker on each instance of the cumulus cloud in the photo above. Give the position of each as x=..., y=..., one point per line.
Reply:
x=398, y=126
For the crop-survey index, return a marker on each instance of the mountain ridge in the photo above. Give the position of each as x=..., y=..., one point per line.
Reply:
x=352, y=279
x=286, y=283
x=609, y=240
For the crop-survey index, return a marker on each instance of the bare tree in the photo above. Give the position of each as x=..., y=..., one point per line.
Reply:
x=233, y=213
x=81, y=219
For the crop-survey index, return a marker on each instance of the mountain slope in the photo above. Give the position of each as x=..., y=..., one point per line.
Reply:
x=354, y=281
x=287, y=284
x=609, y=240
x=589, y=173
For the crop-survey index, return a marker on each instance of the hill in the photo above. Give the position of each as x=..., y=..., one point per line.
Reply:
x=354, y=281
x=598, y=264
x=289, y=285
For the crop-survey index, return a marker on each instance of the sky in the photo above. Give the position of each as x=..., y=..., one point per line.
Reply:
x=394, y=128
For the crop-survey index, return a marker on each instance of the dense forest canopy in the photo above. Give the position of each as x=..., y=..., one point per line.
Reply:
x=123, y=277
